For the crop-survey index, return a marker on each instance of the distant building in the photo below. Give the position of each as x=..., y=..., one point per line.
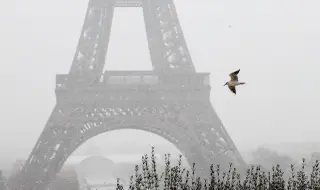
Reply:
x=95, y=170
x=17, y=166
x=314, y=157
x=102, y=184
x=2, y=181
x=312, y=161
x=67, y=179
x=296, y=150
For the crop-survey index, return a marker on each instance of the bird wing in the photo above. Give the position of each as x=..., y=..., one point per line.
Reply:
x=234, y=75
x=233, y=89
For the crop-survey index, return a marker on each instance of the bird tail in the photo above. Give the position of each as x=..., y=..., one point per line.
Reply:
x=242, y=83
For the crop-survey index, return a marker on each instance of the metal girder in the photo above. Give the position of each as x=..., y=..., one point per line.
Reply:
x=128, y=3
x=175, y=50
x=168, y=49
x=89, y=59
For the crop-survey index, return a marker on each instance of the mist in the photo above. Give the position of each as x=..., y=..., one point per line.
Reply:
x=274, y=43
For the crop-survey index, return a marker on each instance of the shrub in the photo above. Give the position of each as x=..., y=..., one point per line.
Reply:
x=175, y=177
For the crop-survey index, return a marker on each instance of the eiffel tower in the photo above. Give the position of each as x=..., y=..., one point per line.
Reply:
x=172, y=100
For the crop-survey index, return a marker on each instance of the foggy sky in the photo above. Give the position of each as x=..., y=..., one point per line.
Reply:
x=275, y=44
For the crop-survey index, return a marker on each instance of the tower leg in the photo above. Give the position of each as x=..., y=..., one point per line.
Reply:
x=212, y=138
x=89, y=58
x=50, y=151
x=168, y=50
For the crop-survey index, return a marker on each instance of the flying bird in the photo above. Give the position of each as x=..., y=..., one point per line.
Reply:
x=234, y=81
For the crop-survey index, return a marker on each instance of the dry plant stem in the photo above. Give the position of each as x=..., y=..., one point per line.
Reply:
x=175, y=177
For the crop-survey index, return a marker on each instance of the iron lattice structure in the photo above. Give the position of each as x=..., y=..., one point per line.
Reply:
x=172, y=100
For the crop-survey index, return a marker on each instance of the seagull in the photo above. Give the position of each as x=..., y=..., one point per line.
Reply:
x=234, y=81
